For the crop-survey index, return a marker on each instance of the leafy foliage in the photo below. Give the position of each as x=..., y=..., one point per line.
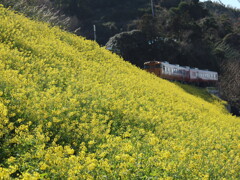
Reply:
x=194, y=32
x=130, y=45
x=230, y=84
x=101, y=13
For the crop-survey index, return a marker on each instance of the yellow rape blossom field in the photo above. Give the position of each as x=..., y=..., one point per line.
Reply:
x=69, y=109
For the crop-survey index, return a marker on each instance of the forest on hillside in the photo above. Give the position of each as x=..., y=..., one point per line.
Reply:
x=186, y=32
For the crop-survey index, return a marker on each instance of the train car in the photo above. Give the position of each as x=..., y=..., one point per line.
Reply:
x=181, y=73
x=154, y=67
x=207, y=77
x=174, y=72
x=193, y=75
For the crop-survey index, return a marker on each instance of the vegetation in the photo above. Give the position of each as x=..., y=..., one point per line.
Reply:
x=229, y=84
x=71, y=109
x=41, y=10
x=110, y=17
x=189, y=33
x=186, y=34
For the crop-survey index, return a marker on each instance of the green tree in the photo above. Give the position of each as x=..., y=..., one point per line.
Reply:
x=225, y=25
x=149, y=26
x=169, y=3
x=230, y=84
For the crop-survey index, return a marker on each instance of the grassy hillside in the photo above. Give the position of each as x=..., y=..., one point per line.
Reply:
x=71, y=109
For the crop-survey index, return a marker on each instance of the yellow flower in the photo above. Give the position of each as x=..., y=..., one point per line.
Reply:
x=43, y=166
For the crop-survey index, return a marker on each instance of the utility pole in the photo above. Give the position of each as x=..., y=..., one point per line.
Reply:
x=152, y=6
x=94, y=31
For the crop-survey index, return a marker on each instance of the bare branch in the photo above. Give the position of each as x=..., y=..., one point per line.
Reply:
x=221, y=3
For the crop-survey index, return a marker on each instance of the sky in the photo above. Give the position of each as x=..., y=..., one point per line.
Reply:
x=232, y=3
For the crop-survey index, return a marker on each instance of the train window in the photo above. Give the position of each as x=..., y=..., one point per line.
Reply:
x=146, y=66
x=157, y=66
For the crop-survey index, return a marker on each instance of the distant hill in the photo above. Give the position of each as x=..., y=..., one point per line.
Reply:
x=70, y=109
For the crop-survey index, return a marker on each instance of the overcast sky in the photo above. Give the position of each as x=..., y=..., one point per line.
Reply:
x=233, y=3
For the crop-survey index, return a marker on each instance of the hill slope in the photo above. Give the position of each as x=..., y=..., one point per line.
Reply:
x=71, y=109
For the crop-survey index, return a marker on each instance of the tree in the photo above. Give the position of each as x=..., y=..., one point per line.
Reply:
x=225, y=25
x=169, y=3
x=130, y=45
x=230, y=84
x=149, y=26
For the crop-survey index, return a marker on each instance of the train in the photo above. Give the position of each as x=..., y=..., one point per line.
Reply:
x=184, y=74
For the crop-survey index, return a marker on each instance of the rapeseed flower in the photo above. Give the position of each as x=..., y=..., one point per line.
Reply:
x=70, y=109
